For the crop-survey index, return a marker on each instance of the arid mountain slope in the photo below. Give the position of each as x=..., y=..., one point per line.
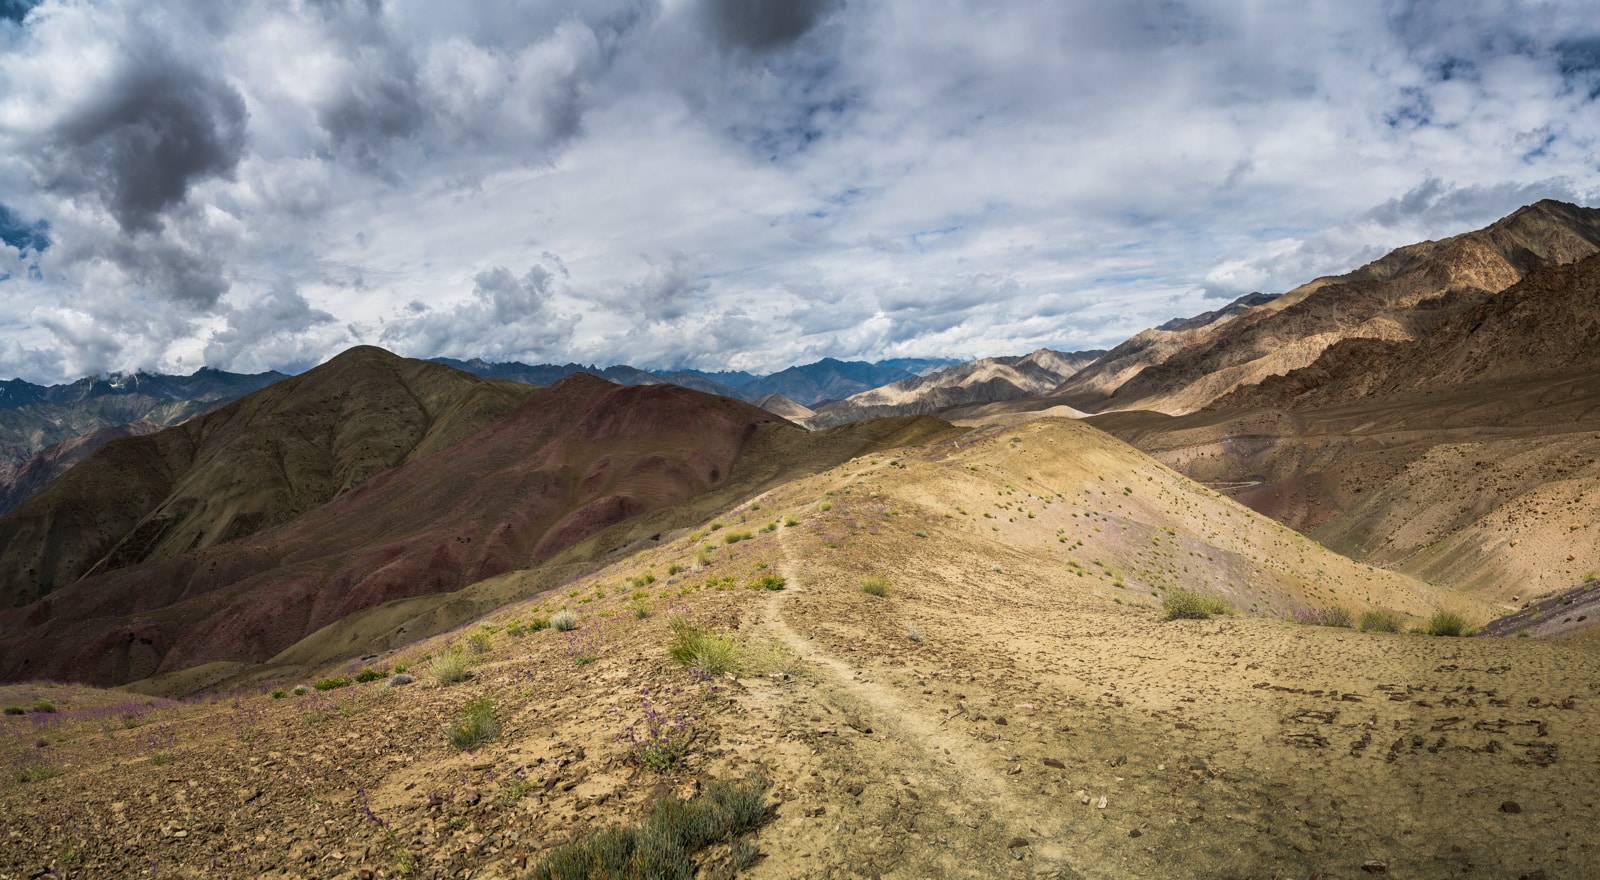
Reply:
x=254, y=464
x=783, y=406
x=33, y=417
x=1491, y=489
x=1006, y=708
x=544, y=482
x=825, y=380
x=1467, y=456
x=1545, y=326
x=1090, y=386
x=972, y=383
x=45, y=465
x=1400, y=297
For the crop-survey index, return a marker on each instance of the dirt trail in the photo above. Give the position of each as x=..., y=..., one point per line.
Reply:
x=947, y=812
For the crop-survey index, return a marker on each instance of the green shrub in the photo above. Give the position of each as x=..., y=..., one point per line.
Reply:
x=537, y=623
x=736, y=537
x=825, y=506
x=16, y=710
x=768, y=582
x=693, y=646
x=474, y=725
x=1184, y=605
x=875, y=586
x=789, y=522
x=479, y=641
x=1338, y=616
x=44, y=706
x=279, y=693
x=564, y=621
x=1447, y=623
x=661, y=845
x=449, y=668
x=370, y=674
x=332, y=683
x=1381, y=620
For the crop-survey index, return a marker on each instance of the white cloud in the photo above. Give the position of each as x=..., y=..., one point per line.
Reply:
x=257, y=184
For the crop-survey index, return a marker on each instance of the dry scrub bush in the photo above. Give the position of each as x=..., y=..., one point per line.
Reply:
x=662, y=844
x=1448, y=623
x=1381, y=620
x=1184, y=605
x=474, y=726
x=448, y=668
x=711, y=653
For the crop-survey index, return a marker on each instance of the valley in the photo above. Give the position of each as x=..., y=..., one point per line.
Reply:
x=1301, y=586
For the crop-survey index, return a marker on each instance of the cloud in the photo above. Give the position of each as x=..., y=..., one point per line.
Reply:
x=138, y=145
x=763, y=25
x=278, y=330
x=743, y=184
x=506, y=316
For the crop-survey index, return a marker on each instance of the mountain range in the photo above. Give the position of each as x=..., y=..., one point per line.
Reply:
x=1045, y=615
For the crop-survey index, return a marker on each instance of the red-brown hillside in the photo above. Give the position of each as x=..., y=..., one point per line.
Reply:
x=571, y=460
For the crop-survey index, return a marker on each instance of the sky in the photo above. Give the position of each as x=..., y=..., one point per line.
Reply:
x=739, y=184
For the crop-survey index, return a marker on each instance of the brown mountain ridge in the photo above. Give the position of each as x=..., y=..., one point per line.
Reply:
x=567, y=464
x=1398, y=298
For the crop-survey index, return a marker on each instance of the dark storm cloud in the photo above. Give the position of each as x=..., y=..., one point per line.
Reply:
x=21, y=234
x=1440, y=204
x=376, y=108
x=379, y=101
x=763, y=25
x=188, y=276
x=140, y=144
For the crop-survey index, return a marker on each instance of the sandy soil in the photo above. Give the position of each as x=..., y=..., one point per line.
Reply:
x=1001, y=712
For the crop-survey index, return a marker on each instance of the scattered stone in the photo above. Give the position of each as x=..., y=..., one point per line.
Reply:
x=1373, y=866
x=859, y=725
x=246, y=794
x=1018, y=847
x=1052, y=762
x=855, y=789
x=1000, y=720
x=1118, y=761
x=398, y=680
x=1135, y=833
x=1511, y=807
x=1102, y=802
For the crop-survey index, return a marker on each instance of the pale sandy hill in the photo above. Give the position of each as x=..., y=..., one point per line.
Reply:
x=1493, y=488
x=998, y=712
x=777, y=404
x=973, y=383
